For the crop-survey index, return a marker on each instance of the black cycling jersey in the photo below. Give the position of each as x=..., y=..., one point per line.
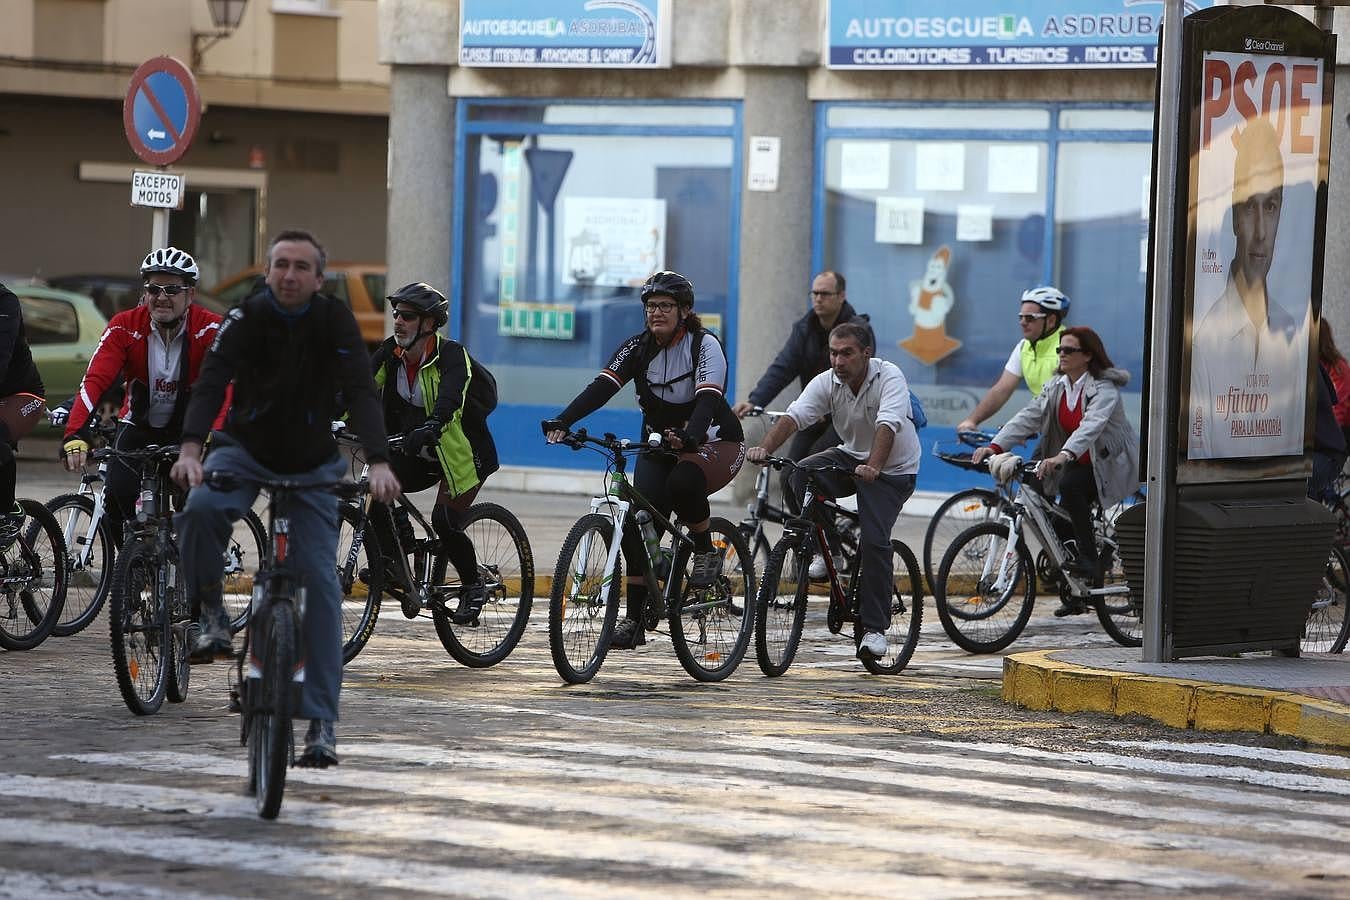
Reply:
x=674, y=389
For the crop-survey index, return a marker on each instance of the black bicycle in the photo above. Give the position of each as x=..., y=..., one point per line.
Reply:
x=709, y=626
x=785, y=591
x=271, y=666
x=33, y=578
x=477, y=629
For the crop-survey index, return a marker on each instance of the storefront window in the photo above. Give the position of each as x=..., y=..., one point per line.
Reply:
x=567, y=209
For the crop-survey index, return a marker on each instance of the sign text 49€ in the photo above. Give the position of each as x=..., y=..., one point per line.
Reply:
x=161, y=190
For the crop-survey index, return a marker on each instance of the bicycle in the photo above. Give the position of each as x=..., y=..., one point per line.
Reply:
x=959, y=511
x=270, y=669
x=709, y=627
x=33, y=579
x=780, y=610
x=1327, y=629
x=988, y=565
x=417, y=570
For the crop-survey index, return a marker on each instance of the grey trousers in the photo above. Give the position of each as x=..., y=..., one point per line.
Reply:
x=204, y=528
x=879, y=503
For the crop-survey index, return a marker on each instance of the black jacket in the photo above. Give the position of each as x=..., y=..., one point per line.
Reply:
x=18, y=373
x=288, y=370
x=805, y=355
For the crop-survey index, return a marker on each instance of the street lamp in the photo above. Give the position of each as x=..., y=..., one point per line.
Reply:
x=225, y=15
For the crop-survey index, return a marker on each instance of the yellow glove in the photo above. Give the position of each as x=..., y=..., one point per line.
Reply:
x=76, y=445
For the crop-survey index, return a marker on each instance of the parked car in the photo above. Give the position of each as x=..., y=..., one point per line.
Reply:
x=110, y=293
x=63, y=329
x=360, y=285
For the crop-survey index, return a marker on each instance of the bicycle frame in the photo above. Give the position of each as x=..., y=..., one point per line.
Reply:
x=82, y=546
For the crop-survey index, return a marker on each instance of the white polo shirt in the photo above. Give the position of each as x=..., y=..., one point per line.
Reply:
x=882, y=401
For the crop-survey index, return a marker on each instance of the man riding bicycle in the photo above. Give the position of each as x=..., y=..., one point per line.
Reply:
x=21, y=405
x=868, y=400
x=680, y=373
x=1034, y=359
x=157, y=348
x=424, y=383
x=290, y=350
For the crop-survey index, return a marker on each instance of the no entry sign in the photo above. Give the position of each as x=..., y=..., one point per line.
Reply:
x=161, y=110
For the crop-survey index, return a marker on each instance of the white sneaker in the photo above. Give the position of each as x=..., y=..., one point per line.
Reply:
x=874, y=642
x=817, y=571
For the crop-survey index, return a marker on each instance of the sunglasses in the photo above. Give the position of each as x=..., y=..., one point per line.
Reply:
x=1065, y=351
x=407, y=315
x=168, y=290
x=666, y=307
x=1031, y=317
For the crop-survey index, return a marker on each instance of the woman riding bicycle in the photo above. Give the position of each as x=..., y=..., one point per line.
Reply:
x=679, y=371
x=1089, y=452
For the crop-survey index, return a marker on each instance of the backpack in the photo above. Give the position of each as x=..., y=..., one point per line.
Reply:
x=482, y=399
x=916, y=413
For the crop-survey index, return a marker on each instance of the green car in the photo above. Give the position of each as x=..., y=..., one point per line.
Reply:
x=63, y=329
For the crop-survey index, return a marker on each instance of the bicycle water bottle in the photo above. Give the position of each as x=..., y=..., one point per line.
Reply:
x=650, y=538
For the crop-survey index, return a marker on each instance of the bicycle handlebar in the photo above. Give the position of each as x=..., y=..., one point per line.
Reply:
x=781, y=462
x=228, y=481
x=611, y=442
x=152, y=451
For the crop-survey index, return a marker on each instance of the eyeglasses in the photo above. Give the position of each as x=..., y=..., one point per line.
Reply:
x=168, y=290
x=407, y=315
x=1031, y=317
x=823, y=293
x=1065, y=351
x=665, y=307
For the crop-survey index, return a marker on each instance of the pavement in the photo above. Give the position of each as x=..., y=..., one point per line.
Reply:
x=1307, y=698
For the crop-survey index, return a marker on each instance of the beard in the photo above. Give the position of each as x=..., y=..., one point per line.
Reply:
x=406, y=342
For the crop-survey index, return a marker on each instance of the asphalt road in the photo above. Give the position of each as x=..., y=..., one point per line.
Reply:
x=504, y=782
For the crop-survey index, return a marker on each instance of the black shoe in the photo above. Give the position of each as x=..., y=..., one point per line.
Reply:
x=1070, y=607
x=212, y=642
x=707, y=565
x=471, y=600
x=627, y=635
x=320, y=746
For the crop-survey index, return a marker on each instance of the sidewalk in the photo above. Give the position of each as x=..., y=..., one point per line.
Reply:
x=1306, y=698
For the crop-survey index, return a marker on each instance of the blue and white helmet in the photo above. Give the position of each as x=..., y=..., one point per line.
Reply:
x=172, y=261
x=1048, y=298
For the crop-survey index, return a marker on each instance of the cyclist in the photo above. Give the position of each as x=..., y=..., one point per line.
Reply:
x=1033, y=359
x=680, y=373
x=157, y=348
x=289, y=350
x=868, y=399
x=22, y=403
x=1085, y=434
x=424, y=382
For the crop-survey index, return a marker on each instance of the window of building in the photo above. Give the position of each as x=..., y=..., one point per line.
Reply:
x=567, y=208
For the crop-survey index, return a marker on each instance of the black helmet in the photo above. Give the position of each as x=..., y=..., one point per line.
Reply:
x=672, y=284
x=426, y=298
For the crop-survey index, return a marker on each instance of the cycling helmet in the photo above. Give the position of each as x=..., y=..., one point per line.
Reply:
x=672, y=284
x=173, y=261
x=426, y=298
x=1047, y=298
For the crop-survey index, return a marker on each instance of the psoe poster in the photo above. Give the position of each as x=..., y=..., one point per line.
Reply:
x=1255, y=212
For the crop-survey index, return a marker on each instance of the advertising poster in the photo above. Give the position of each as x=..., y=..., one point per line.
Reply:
x=579, y=34
x=613, y=240
x=1254, y=207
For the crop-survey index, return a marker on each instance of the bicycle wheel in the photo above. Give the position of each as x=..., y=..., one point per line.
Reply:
x=978, y=613
x=269, y=751
x=34, y=593
x=957, y=513
x=710, y=629
x=1121, y=615
x=506, y=566
x=180, y=617
x=242, y=557
x=902, y=636
x=89, y=561
x=780, y=609
x=138, y=626
x=1328, y=627
x=360, y=597
x=583, y=603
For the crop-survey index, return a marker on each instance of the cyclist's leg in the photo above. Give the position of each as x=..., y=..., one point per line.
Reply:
x=649, y=477
x=123, y=480
x=447, y=520
x=696, y=475
x=19, y=415
x=831, y=484
x=204, y=526
x=805, y=442
x=1077, y=492
x=879, y=503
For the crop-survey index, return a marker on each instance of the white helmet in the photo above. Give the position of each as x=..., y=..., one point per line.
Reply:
x=171, y=260
x=1047, y=298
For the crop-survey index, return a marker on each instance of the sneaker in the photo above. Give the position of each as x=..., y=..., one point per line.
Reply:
x=213, y=640
x=1070, y=607
x=471, y=600
x=705, y=569
x=818, y=572
x=874, y=642
x=627, y=635
x=320, y=746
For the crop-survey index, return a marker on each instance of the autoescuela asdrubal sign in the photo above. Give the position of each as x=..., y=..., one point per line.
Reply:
x=580, y=34
x=995, y=34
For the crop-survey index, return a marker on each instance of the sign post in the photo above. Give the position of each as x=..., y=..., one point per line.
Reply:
x=160, y=115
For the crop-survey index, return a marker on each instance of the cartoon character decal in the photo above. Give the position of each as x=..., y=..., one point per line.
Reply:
x=930, y=300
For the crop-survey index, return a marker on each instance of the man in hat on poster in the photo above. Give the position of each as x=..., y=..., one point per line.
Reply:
x=1249, y=356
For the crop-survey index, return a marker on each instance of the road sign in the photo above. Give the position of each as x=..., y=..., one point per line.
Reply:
x=162, y=110
x=160, y=190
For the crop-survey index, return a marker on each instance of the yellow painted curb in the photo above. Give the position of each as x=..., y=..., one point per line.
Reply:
x=1036, y=681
